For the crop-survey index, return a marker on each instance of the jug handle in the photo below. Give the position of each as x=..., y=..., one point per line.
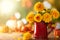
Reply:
x=51, y=28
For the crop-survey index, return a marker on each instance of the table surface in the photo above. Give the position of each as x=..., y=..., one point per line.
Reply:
x=15, y=36
x=10, y=36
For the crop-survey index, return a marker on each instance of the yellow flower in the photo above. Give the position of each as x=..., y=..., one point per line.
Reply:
x=30, y=17
x=38, y=6
x=47, y=17
x=55, y=13
x=27, y=36
x=18, y=38
x=53, y=25
x=38, y=17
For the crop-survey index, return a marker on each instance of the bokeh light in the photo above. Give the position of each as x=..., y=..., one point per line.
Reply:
x=18, y=0
x=17, y=15
x=19, y=24
x=24, y=21
x=11, y=24
x=47, y=5
x=7, y=6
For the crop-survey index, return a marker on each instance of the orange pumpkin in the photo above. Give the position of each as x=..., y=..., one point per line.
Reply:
x=57, y=32
x=23, y=29
x=5, y=29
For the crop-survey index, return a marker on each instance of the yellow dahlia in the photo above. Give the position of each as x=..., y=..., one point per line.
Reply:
x=55, y=13
x=47, y=17
x=27, y=36
x=38, y=6
x=18, y=38
x=38, y=17
x=30, y=17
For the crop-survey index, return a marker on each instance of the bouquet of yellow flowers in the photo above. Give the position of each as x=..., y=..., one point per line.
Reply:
x=42, y=17
x=40, y=13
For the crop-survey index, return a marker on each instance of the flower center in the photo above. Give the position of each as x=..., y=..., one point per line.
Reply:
x=38, y=18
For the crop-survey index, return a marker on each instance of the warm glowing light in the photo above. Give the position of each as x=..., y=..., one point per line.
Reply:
x=7, y=6
x=24, y=21
x=18, y=0
x=47, y=5
x=11, y=24
x=17, y=15
x=19, y=24
x=1, y=29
